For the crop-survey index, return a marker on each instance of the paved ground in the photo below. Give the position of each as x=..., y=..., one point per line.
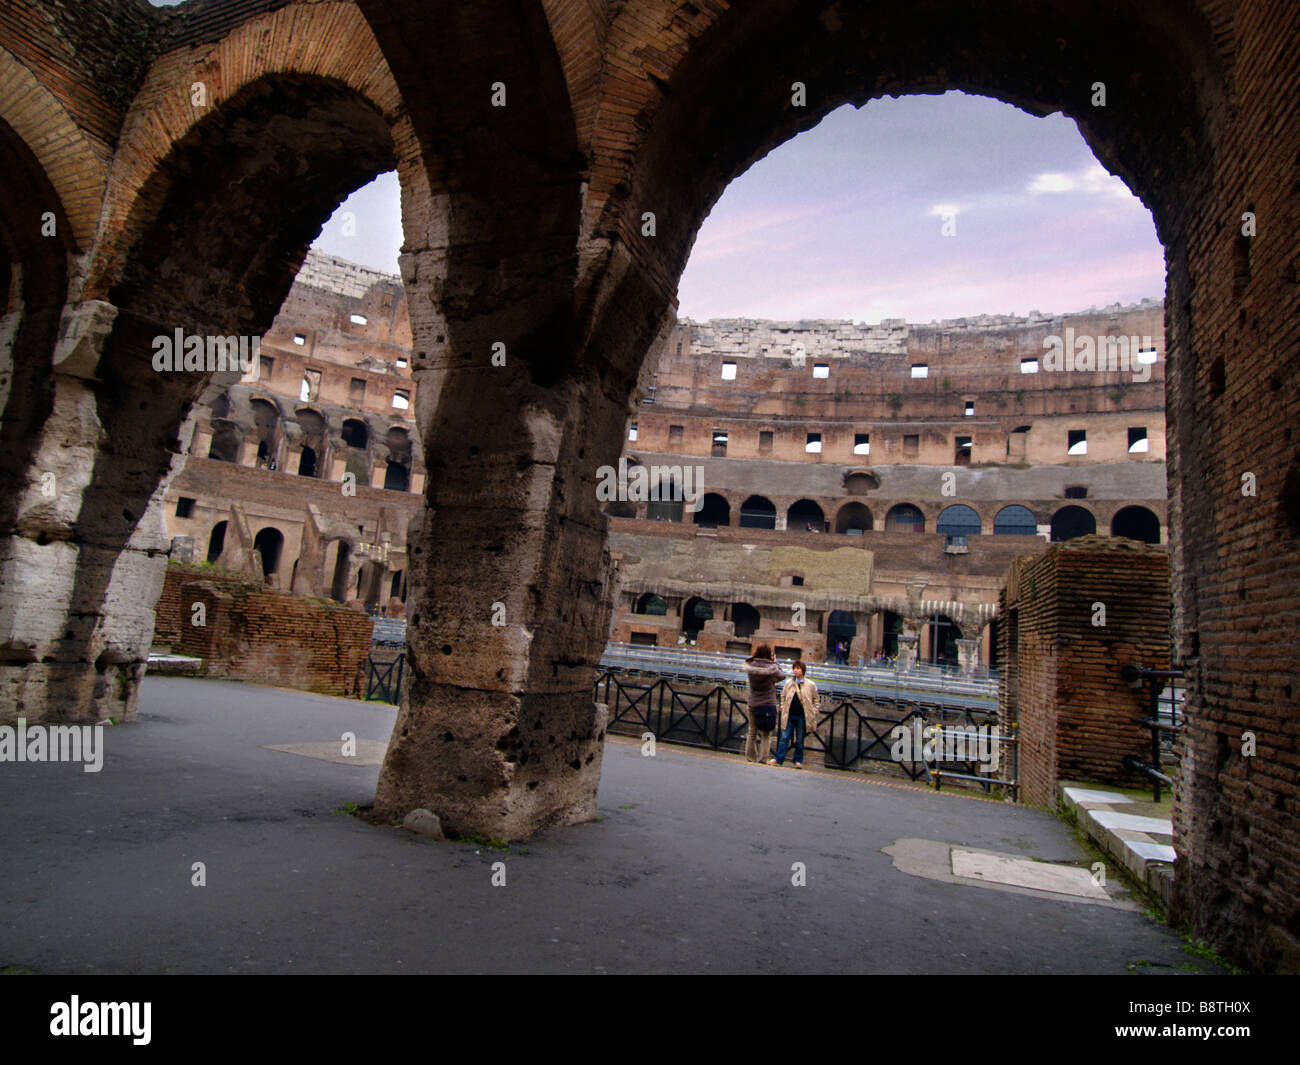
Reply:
x=689, y=868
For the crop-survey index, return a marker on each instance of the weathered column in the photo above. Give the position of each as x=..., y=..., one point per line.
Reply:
x=967, y=656
x=76, y=610
x=906, y=652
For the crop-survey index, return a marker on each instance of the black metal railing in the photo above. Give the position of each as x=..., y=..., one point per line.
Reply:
x=1163, y=694
x=384, y=679
x=851, y=732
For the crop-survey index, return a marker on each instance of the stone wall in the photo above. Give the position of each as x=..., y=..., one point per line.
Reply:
x=1071, y=619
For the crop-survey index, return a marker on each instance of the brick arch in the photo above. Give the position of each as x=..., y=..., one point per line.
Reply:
x=74, y=165
x=34, y=278
x=743, y=63
x=326, y=43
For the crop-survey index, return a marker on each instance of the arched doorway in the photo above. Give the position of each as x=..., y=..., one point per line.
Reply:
x=746, y=620
x=1071, y=522
x=905, y=518
x=758, y=512
x=714, y=511
x=943, y=636
x=853, y=519
x=891, y=629
x=269, y=542
x=216, y=541
x=1136, y=523
x=805, y=516
x=651, y=604
x=339, y=580
x=840, y=628
x=695, y=612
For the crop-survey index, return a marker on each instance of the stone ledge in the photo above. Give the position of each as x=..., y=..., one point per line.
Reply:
x=1143, y=844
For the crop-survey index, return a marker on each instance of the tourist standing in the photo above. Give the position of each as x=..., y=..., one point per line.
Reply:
x=763, y=672
x=799, y=711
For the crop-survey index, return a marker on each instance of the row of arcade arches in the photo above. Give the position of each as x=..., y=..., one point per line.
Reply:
x=956, y=521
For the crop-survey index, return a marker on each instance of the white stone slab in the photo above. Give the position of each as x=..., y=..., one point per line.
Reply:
x=1113, y=819
x=1024, y=872
x=1152, y=852
x=1087, y=795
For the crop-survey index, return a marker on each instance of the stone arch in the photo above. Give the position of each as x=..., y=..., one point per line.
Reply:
x=695, y=612
x=266, y=427
x=651, y=603
x=1136, y=523
x=905, y=517
x=805, y=515
x=745, y=619
x=355, y=433
x=269, y=545
x=1072, y=521
x=853, y=518
x=714, y=511
x=860, y=482
x=34, y=275
x=216, y=541
x=758, y=512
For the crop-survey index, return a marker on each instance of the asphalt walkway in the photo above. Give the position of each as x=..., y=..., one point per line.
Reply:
x=689, y=869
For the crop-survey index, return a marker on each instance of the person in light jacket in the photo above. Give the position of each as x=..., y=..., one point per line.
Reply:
x=763, y=672
x=800, y=708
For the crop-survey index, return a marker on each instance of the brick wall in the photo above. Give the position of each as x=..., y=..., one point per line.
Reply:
x=173, y=610
x=1061, y=658
x=262, y=636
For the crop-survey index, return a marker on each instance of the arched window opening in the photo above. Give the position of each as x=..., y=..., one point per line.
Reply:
x=1015, y=520
x=958, y=522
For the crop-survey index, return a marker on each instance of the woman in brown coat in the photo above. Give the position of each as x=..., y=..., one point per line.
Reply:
x=763, y=673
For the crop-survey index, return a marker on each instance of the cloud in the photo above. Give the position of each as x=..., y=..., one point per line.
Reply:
x=1093, y=180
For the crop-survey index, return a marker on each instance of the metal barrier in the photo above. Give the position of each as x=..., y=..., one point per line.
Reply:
x=390, y=631
x=924, y=686
x=384, y=680
x=1161, y=694
x=848, y=734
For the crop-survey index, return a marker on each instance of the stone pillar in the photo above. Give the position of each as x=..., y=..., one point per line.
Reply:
x=968, y=656
x=80, y=576
x=499, y=734
x=906, y=652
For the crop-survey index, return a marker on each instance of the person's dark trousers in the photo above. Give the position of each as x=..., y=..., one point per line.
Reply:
x=794, y=727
